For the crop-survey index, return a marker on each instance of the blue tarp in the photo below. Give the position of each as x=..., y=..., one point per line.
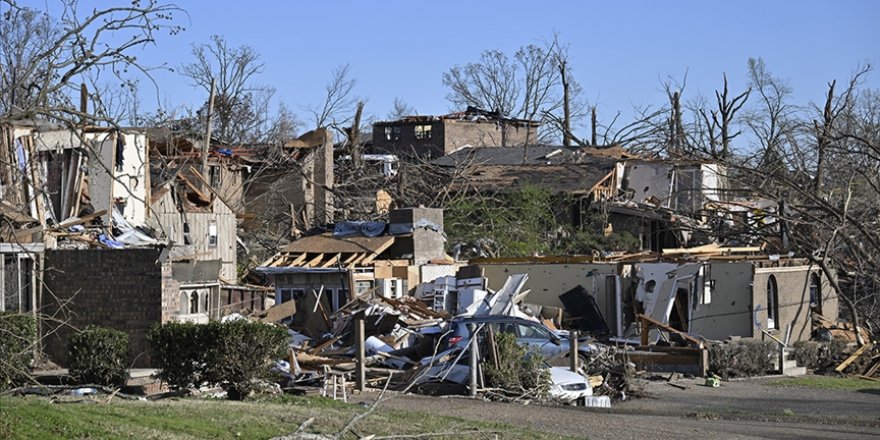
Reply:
x=366, y=229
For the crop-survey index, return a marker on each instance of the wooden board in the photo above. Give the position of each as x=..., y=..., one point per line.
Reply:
x=853, y=357
x=279, y=311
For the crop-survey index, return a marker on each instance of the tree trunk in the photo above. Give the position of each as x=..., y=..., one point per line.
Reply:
x=353, y=135
x=594, y=127
x=823, y=138
x=566, y=107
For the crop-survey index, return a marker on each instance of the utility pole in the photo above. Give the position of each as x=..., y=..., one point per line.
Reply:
x=361, y=378
x=474, y=359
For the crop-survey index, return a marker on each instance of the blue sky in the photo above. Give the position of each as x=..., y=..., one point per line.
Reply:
x=620, y=50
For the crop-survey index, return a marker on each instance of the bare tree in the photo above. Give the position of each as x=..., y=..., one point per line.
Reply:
x=399, y=109
x=339, y=103
x=719, y=121
x=44, y=58
x=241, y=107
x=834, y=222
x=491, y=83
x=772, y=120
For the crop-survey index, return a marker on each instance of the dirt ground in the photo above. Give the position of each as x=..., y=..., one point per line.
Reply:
x=745, y=409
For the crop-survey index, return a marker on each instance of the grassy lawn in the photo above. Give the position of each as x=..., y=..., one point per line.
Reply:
x=828, y=383
x=37, y=418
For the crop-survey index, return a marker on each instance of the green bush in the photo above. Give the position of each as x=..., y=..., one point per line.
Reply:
x=180, y=350
x=821, y=356
x=98, y=355
x=742, y=358
x=18, y=333
x=519, y=371
x=242, y=353
x=233, y=355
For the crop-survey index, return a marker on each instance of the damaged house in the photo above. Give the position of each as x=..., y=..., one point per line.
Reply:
x=51, y=176
x=664, y=204
x=661, y=204
x=92, y=238
x=319, y=272
x=714, y=296
x=436, y=136
x=293, y=187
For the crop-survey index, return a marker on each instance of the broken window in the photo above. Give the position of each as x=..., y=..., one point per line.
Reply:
x=772, y=303
x=338, y=298
x=708, y=284
x=214, y=176
x=392, y=133
x=186, y=237
x=212, y=234
x=285, y=295
x=362, y=286
x=423, y=132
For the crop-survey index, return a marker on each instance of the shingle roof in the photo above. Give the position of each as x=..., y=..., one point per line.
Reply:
x=534, y=155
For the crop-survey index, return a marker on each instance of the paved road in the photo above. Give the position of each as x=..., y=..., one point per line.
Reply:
x=738, y=410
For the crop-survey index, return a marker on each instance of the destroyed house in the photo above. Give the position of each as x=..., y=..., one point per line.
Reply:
x=52, y=182
x=83, y=243
x=588, y=173
x=663, y=203
x=436, y=136
x=292, y=186
x=716, y=297
x=225, y=166
x=196, y=221
x=319, y=272
x=659, y=203
x=61, y=173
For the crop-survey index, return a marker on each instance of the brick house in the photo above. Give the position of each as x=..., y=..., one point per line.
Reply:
x=435, y=136
x=131, y=290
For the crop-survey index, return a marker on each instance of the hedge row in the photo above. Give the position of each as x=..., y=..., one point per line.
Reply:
x=232, y=355
x=18, y=333
x=98, y=355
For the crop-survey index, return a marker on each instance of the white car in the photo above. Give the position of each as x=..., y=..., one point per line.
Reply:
x=565, y=385
x=568, y=386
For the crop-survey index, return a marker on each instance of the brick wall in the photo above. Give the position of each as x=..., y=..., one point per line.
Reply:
x=170, y=294
x=120, y=289
x=406, y=142
x=794, y=300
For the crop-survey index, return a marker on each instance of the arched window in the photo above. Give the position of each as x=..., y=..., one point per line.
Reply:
x=184, y=303
x=772, y=303
x=205, y=297
x=815, y=292
x=194, y=302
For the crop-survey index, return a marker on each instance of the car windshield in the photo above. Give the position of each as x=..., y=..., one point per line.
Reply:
x=533, y=332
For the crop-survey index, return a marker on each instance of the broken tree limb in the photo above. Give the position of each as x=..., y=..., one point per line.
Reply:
x=853, y=357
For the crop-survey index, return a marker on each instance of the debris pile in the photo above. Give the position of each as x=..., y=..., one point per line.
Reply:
x=417, y=345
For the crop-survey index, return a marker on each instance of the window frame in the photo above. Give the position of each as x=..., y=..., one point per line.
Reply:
x=422, y=131
x=773, y=321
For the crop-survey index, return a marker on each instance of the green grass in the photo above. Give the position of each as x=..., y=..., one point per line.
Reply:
x=828, y=383
x=37, y=418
